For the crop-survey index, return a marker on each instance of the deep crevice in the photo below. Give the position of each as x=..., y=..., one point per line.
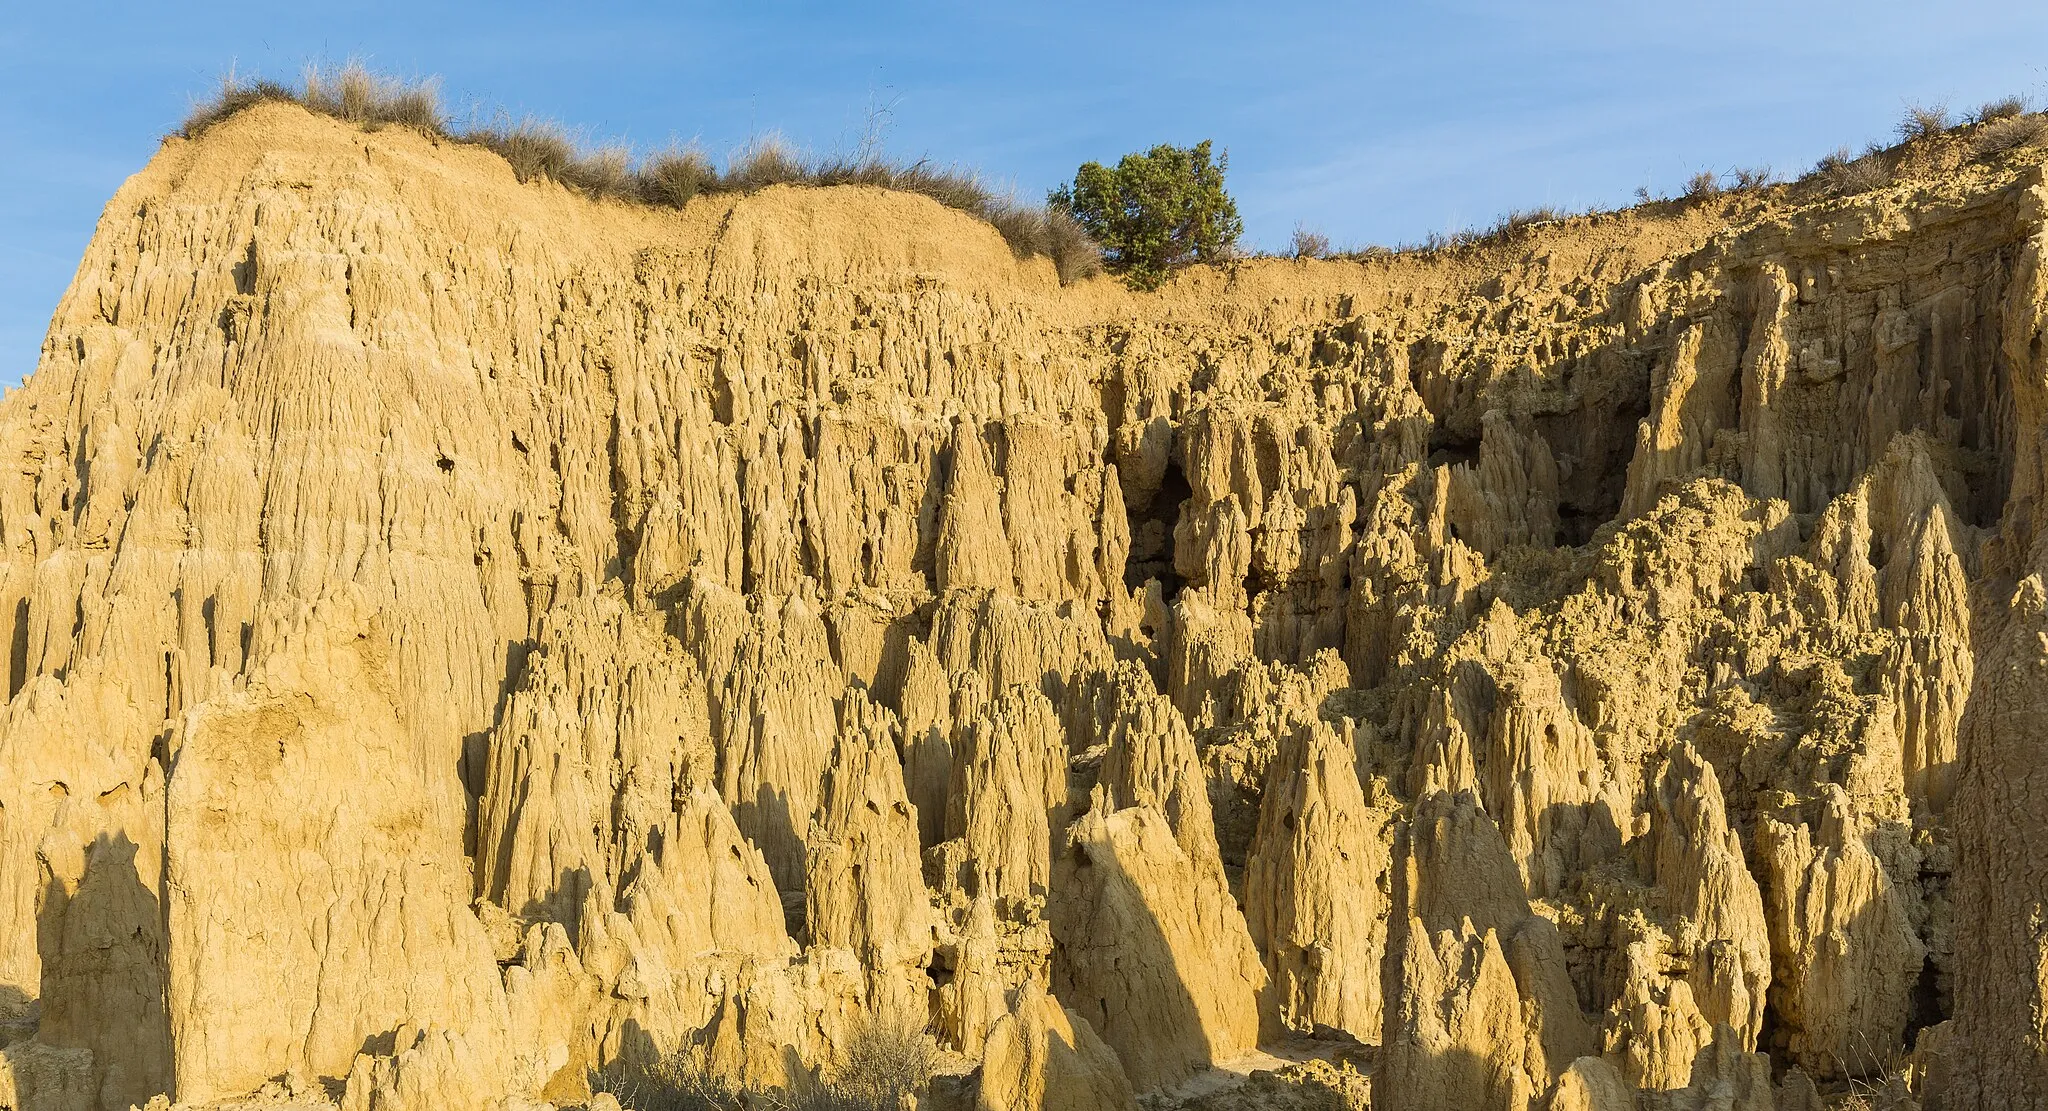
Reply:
x=1924, y=1009
x=1447, y=447
x=1151, y=529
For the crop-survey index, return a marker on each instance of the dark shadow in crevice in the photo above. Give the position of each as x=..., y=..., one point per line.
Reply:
x=1924, y=1009
x=17, y=651
x=473, y=771
x=1448, y=448
x=106, y=973
x=1151, y=529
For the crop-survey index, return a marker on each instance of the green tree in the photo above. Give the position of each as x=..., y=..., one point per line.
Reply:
x=1154, y=211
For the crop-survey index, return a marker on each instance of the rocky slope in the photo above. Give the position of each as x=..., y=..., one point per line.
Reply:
x=464, y=636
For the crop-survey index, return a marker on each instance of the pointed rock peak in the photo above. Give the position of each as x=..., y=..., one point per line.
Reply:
x=1009, y=772
x=1689, y=803
x=1727, y=1075
x=924, y=696
x=1849, y=959
x=974, y=547
x=1592, y=1084
x=706, y=888
x=1925, y=588
x=1149, y=946
x=1458, y=866
x=1152, y=761
x=1043, y=1057
x=1444, y=762
x=1454, y=1034
x=867, y=728
x=973, y=999
x=864, y=886
x=1313, y=888
x=1705, y=882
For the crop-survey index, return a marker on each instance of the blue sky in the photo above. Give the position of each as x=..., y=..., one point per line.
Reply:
x=1374, y=123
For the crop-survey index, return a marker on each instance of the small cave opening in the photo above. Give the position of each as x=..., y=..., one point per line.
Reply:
x=1575, y=526
x=1151, y=528
x=796, y=916
x=1447, y=446
x=1924, y=1008
x=1767, y=1031
x=1594, y=444
x=244, y=271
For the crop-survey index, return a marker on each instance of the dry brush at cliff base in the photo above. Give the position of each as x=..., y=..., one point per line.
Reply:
x=466, y=638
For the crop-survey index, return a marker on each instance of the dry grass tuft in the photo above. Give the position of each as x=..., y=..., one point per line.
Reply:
x=1074, y=254
x=604, y=172
x=2004, y=108
x=1520, y=220
x=1846, y=174
x=233, y=96
x=540, y=150
x=1024, y=228
x=951, y=186
x=678, y=1082
x=1924, y=121
x=887, y=1065
x=1308, y=244
x=2008, y=133
x=1516, y=223
x=766, y=161
x=536, y=150
x=355, y=94
x=1751, y=180
x=673, y=178
x=1030, y=231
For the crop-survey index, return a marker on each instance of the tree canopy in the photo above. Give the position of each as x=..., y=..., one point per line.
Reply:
x=1155, y=211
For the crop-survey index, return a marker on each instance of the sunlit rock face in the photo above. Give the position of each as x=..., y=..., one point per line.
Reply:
x=464, y=636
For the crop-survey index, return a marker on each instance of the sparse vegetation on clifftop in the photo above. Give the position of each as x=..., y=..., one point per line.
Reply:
x=541, y=149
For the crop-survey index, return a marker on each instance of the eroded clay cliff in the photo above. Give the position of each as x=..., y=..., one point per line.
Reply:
x=464, y=636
